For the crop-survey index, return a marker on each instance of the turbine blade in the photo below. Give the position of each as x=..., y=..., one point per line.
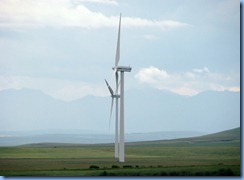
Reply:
x=117, y=78
x=118, y=48
x=117, y=83
x=111, y=110
x=109, y=88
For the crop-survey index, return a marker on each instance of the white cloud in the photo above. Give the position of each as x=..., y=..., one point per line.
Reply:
x=68, y=13
x=109, y=2
x=151, y=75
x=234, y=89
x=187, y=83
x=205, y=69
x=163, y=24
x=61, y=89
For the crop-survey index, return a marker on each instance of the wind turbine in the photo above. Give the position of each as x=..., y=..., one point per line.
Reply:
x=120, y=69
x=116, y=145
x=116, y=95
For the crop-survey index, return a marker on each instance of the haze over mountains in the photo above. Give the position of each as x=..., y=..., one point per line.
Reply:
x=147, y=110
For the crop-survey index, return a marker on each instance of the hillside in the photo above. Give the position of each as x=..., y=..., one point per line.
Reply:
x=228, y=136
x=79, y=137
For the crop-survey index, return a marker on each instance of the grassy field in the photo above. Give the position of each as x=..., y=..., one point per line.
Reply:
x=214, y=155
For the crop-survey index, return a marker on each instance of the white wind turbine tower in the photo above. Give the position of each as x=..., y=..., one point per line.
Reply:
x=120, y=69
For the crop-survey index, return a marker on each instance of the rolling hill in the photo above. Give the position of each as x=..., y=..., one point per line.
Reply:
x=19, y=138
x=231, y=136
x=228, y=135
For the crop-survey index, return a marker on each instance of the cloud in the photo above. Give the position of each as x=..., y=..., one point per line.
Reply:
x=187, y=83
x=162, y=24
x=68, y=13
x=66, y=90
x=234, y=89
x=151, y=75
x=109, y=2
x=205, y=69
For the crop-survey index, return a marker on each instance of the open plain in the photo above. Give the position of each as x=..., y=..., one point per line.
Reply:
x=211, y=155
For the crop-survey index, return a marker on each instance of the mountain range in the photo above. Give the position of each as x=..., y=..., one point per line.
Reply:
x=147, y=110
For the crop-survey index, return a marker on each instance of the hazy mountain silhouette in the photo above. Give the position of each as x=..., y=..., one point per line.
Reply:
x=147, y=110
x=210, y=111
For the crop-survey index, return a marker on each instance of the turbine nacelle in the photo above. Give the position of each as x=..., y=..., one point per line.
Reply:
x=123, y=68
x=115, y=96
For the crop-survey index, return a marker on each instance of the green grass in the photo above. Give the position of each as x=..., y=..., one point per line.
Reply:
x=193, y=156
x=52, y=152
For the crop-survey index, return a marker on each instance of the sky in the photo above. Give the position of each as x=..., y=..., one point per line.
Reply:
x=66, y=48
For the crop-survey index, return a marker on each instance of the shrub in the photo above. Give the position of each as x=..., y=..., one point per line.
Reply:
x=138, y=174
x=94, y=167
x=185, y=173
x=115, y=166
x=220, y=172
x=199, y=174
x=163, y=173
x=104, y=173
x=127, y=166
x=173, y=173
x=225, y=172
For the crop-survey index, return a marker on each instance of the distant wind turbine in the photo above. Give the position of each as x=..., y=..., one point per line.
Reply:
x=116, y=148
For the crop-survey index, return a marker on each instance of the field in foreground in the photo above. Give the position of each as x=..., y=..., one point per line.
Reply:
x=212, y=155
